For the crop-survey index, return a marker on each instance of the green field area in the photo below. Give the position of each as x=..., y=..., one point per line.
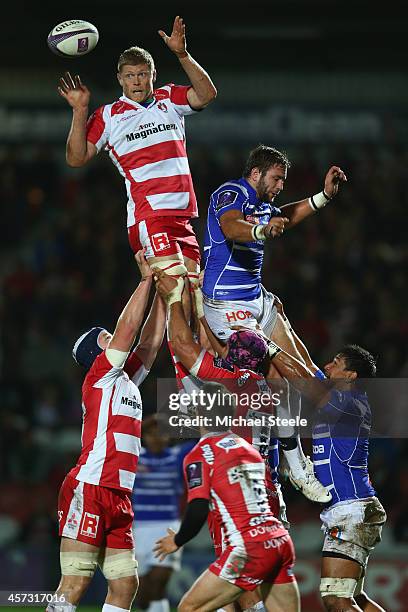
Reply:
x=42, y=608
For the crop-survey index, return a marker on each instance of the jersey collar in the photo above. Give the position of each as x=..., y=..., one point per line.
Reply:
x=136, y=104
x=253, y=198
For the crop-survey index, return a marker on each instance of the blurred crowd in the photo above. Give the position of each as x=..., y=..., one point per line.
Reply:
x=66, y=265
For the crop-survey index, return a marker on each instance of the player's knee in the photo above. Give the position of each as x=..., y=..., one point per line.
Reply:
x=336, y=604
x=125, y=588
x=121, y=573
x=73, y=589
x=122, y=565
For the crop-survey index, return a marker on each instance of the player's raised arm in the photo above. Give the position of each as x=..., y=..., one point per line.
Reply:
x=203, y=90
x=131, y=318
x=79, y=150
x=180, y=334
x=297, y=211
x=151, y=336
x=220, y=349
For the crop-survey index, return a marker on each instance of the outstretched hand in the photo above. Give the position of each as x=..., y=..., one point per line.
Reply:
x=333, y=178
x=74, y=91
x=165, y=545
x=176, y=42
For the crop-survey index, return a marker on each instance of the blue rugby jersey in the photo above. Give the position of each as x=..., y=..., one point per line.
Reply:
x=233, y=269
x=159, y=483
x=340, y=446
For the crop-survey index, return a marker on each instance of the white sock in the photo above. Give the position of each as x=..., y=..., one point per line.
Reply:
x=283, y=412
x=300, y=447
x=258, y=607
x=65, y=607
x=110, y=608
x=160, y=605
x=296, y=461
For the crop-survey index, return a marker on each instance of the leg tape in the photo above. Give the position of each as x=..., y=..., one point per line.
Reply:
x=194, y=278
x=121, y=565
x=78, y=563
x=338, y=587
x=171, y=267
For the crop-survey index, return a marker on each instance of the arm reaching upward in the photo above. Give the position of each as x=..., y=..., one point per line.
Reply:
x=79, y=150
x=298, y=211
x=202, y=90
x=131, y=318
x=219, y=348
x=180, y=334
x=152, y=334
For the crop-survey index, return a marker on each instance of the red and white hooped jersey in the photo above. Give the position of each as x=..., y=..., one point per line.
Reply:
x=230, y=473
x=148, y=147
x=111, y=429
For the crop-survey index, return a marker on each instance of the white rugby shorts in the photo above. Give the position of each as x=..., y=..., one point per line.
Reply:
x=222, y=315
x=353, y=528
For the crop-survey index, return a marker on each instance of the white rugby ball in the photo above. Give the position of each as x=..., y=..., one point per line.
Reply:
x=73, y=38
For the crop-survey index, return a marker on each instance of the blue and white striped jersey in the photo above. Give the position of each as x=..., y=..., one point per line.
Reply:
x=159, y=483
x=340, y=445
x=233, y=269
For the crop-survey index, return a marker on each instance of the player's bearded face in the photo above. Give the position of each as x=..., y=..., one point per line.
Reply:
x=271, y=183
x=262, y=190
x=137, y=82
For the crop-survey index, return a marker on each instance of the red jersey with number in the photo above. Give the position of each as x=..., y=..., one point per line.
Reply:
x=148, y=147
x=111, y=429
x=230, y=473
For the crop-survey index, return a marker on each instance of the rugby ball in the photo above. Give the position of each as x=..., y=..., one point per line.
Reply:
x=73, y=38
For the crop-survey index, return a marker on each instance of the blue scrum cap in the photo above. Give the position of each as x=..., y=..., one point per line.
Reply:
x=86, y=348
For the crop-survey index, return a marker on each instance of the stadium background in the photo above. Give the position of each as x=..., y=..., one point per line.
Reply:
x=327, y=84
